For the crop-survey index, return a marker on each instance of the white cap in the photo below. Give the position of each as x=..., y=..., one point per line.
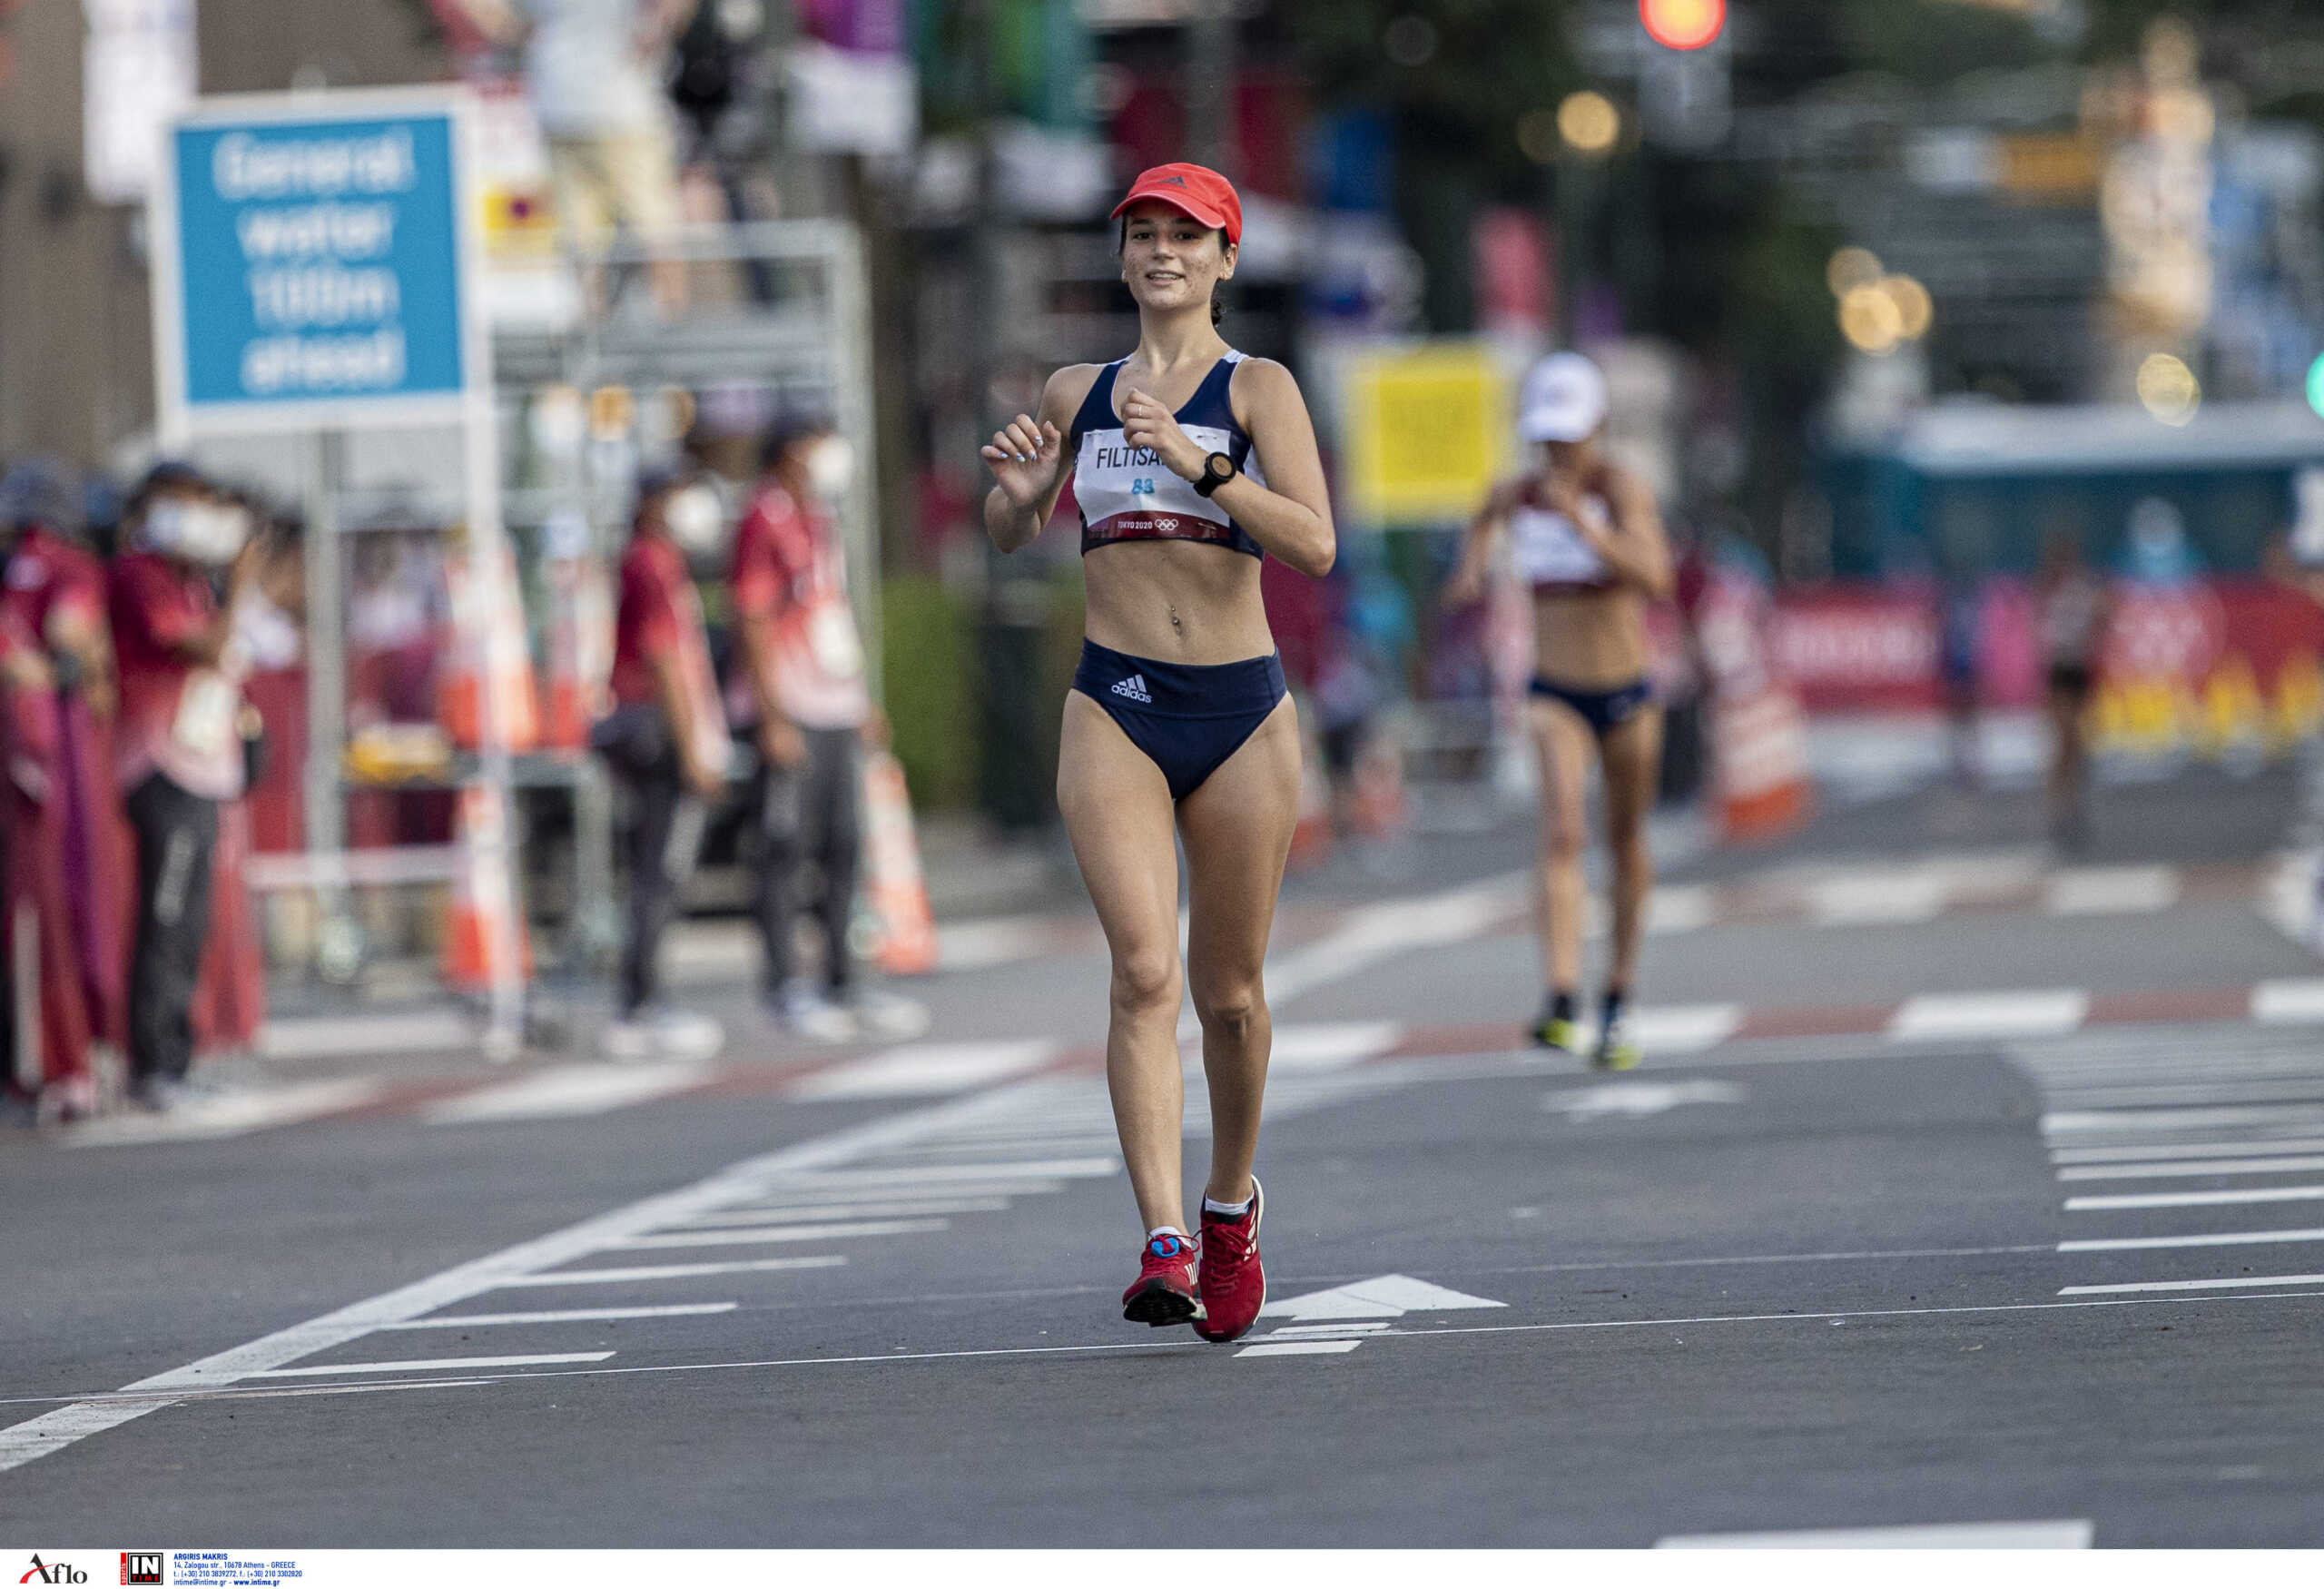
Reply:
x=1564, y=400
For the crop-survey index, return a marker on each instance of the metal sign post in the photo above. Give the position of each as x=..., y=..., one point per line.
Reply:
x=316, y=262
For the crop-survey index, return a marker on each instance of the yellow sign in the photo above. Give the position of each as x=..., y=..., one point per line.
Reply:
x=1427, y=433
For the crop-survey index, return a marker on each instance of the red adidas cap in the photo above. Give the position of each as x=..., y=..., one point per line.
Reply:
x=1192, y=190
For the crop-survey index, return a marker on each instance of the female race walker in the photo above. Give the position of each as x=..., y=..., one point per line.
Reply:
x=1191, y=463
x=1585, y=535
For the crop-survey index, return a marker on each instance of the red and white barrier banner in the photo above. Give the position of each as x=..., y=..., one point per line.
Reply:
x=1758, y=731
x=2213, y=668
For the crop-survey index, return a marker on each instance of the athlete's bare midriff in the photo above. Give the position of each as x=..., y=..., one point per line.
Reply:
x=1177, y=602
x=1589, y=640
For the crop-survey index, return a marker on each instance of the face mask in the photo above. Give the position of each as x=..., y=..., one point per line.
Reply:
x=830, y=466
x=166, y=524
x=697, y=521
x=213, y=533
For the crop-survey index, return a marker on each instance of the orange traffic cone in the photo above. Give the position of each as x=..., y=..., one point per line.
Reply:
x=579, y=644
x=484, y=915
x=488, y=648
x=899, y=894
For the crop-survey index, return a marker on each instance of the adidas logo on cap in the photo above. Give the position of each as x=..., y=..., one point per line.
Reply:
x=1133, y=688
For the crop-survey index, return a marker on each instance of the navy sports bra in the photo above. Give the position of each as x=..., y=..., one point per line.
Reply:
x=1124, y=491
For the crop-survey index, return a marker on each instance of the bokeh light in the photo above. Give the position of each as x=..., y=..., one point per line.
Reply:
x=1589, y=122
x=1914, y=309
x=2316, y=385
x=1682, y=25
x=1870, y=320
x=2168, y=389
x=1851, y=267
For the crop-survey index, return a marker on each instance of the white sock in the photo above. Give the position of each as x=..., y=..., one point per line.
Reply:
x=1232, y=1210
x=1166, y=1231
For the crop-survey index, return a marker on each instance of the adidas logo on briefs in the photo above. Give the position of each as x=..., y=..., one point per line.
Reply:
x=1134, y=688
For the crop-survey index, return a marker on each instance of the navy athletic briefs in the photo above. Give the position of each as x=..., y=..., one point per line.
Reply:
x=1603, y=710
x=1186, y=719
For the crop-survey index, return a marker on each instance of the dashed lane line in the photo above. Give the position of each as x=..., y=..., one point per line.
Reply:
x=2057, y=1534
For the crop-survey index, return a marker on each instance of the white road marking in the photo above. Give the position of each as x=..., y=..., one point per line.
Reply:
x=230, y=1114
x=2289, y=1002
x=670, y=1271
x=2212, y=1238
x=1939, y=1017
x=1382, y=1297
x=563, y=1091
x=520, y=1265
x=2062, y=1533
x=1327, y=1331
x=2109, y=891
x=326, y=1036
x=2193, y=1285
x=1681, y=907
x=1373, y=933
x=2157, y=1094
x=1876, y=896
x=1000, y=941
x=2092, y=1122
x=429, y=1364
x=841, y=1231
x=1683, y=1029
x=563, y=1316
x=2196, y=1167
x=2201, y=1199
x=920, y=1174
x=883, y=1210
x=1637, y=1099
x=1298, y=1348
x=1332, y=1045
x=2147, y=1152
x=924, y=1068
x=137, y=1405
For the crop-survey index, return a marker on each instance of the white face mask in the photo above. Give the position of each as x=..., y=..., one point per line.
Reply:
x=830, y=466
x=696, y=518
x=166, y=524
x=222, y=532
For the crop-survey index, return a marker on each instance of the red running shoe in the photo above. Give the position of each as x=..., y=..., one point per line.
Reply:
x=1234, y=1284
x=1164, y=1293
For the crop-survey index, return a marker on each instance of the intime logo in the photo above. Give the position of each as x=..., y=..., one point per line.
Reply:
x=141, y=1567
x=43, y=1572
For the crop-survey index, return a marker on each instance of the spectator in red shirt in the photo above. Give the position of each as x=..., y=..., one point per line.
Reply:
x=800, y=693
x=178, y=751
x=666, y=740
x=59, y=679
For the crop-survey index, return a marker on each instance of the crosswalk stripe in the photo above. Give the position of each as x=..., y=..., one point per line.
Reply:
x=804, y=1212
x=2066, y=1122
x=1932, y=1017
x=2196, y=1167
x=2151, y=1151
x=2064, y=1534
x=667, y=1271
x=845, y=1231
x=927, y=1068
x=2209, y=1239
x=566, y=1090
x=564, y=1315
x=2291, y=1000
x=2192, y=1285
x=2201, y=1199
x=2107, y=891
x=429, y=1364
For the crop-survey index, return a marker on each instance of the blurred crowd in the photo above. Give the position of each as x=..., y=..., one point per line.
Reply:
x=127, y=628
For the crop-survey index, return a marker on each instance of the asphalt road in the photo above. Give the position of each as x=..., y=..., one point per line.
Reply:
x=1995, y=1198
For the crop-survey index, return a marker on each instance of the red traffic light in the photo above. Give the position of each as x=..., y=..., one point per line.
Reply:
x=1682, y=25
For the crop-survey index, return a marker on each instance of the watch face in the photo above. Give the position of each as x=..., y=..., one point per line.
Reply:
x=1219, y=467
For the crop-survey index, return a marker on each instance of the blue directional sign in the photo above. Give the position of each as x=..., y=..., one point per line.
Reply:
x=310, y=264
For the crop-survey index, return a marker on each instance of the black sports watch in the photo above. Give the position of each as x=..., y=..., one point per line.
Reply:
x=1217, y=471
